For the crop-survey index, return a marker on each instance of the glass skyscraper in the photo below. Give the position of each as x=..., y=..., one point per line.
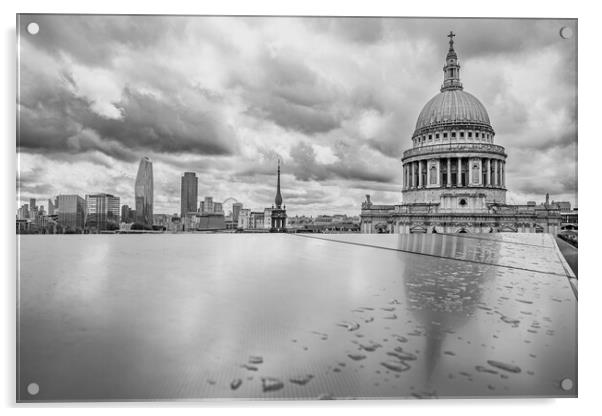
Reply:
x=143, y=192
x=102, y=212
x=189, y=193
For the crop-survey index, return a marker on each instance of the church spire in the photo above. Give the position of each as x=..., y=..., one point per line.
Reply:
x=451, y=70
x=278, y=200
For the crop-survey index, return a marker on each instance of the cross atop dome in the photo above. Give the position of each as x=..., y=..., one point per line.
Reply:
x=451, y=70
x=451, y=39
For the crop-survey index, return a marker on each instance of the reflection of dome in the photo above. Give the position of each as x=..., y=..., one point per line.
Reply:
x=452, y=107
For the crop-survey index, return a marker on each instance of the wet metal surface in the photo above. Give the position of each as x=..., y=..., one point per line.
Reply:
x=291, y=317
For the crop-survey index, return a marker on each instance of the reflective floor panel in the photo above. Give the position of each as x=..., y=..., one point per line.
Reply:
x=275, y=316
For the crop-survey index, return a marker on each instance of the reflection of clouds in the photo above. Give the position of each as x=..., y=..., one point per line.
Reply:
x=443, y=293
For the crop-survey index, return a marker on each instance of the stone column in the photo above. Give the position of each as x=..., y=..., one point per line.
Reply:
x=459, y=174
x=495, y=171
x=420, y=184
x=488, y=172
x=413, y=168
x=449, y=172
x=504, y=174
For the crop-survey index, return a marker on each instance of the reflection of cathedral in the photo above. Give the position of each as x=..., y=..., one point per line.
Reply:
x=454, y=175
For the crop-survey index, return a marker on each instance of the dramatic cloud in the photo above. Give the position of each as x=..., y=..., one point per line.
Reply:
x=335, y=99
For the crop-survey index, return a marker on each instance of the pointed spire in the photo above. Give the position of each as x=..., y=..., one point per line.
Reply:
x=278, y=199
x=451, y=70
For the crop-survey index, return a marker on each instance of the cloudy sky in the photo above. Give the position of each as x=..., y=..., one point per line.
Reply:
x=335, y=99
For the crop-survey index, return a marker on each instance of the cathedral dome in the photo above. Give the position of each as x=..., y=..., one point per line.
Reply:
x=453, y=106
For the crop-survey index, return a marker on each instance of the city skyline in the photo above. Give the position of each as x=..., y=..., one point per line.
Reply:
x=338, y=118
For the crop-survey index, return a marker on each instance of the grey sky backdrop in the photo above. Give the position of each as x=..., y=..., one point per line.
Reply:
x=335, y=98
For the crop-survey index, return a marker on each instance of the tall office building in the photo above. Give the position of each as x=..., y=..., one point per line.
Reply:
x=32, y=206
x=236, y=207
x=143, y=192
x=207, y=205
x=51, y=207
x=127, y=214
x=71, y=211
x=102, y=212
x=188, y=193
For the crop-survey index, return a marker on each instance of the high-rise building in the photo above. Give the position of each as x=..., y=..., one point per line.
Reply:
x=188, y=193
x=218, y=207
x=23, y=212
x=32, y=206
x=51, y=207
x=143, y=192
x=102, y=212
x=207, y=205
x=71, y=212
x=127, y=214
x=236, y=207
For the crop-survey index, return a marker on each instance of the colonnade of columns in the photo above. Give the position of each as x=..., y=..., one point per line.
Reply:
x=430, y=173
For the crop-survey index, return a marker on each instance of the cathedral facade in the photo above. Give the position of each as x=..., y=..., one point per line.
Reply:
x=454, y=176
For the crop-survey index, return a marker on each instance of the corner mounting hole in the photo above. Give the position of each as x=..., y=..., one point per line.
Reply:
x=33, y=389
x=566, y=32
x=566, y=384
x=33, y=28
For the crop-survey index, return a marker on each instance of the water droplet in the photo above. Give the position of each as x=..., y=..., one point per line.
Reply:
x=211, y=381
x=351, y=326
x=402, y=355
x=504, y=366
x=255, y=359
x=392, y=316
x=234, y=384
x=388, y=309
x=370, y=347
x=356, y=357
x=368, y=320
x=249, y=367
x=336, y=370
x=397, y=366
x=271, y=384
x=482, y=369
x=449, y=353
x=425, y=395
x=513, y=322
x=301, y=380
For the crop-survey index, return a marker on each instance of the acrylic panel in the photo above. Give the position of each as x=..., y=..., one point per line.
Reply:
x=295, y=208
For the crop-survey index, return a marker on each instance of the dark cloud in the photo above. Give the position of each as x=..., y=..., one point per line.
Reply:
x=336, y=99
